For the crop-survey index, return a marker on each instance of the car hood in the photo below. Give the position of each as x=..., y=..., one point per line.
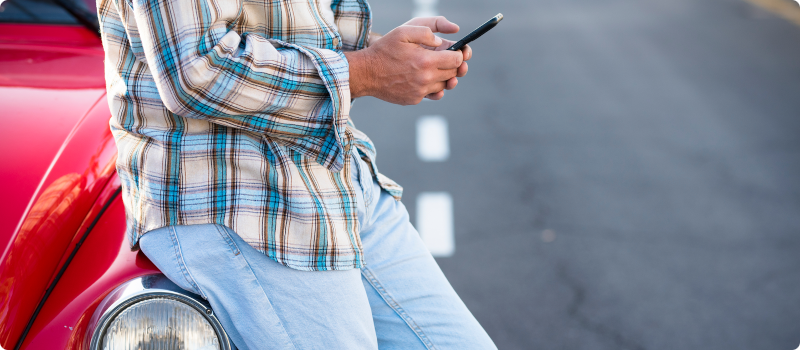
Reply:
x=49, y=79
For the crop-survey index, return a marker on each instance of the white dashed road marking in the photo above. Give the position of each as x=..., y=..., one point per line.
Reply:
x=435, y=222
x=424, y=8
x=433, y=144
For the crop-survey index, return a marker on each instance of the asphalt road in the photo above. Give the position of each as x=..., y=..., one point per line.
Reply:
x=657, y=141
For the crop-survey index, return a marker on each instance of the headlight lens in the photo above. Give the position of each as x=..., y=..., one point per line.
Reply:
x=159, y=323
x=152, y=313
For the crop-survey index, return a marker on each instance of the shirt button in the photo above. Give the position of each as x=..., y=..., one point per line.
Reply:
x=335, y=41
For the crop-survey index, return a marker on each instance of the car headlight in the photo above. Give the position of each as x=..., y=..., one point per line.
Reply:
x=152, y=313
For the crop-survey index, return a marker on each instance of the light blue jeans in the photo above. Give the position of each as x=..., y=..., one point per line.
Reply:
x=401, y=300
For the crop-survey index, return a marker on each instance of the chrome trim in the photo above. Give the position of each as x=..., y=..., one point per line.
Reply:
x=143, y=288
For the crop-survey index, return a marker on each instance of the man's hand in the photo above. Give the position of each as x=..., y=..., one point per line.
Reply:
x=442, y=25
x=408, y=64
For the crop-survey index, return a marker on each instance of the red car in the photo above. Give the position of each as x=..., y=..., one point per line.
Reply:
x=68, y=278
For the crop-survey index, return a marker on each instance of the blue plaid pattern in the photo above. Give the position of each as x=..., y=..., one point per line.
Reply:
x=237, y=113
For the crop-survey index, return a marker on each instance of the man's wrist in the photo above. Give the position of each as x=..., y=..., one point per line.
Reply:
x=360, y=74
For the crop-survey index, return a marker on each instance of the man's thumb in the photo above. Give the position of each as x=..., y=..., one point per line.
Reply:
x=422, y=35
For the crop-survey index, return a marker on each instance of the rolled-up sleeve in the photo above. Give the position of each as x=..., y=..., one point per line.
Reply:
x=204, y=69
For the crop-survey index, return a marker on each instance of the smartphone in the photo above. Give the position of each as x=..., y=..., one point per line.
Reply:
x=477, y=32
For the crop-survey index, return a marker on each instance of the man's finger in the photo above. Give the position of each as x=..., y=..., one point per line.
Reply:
x=421, y=35
x=438, y=24
x=451, y=84
x=448, y=59
x=434, y=88
x=467, y=51
x=445, y=44
x=435, y=96
x=446, y=74
x=462, y=70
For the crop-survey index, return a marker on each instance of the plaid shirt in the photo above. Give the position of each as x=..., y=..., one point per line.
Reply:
x=237, y=113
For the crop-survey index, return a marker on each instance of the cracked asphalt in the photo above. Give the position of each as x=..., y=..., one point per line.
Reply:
x=658, y=141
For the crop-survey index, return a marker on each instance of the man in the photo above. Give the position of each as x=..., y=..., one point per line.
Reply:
x=245, y=182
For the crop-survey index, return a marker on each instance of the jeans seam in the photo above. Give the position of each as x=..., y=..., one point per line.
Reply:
x=373, y=280
x=227, y=238
x=250, y=268
x=182, y=263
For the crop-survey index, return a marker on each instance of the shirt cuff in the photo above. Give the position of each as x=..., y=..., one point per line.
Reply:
x=334, y=71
